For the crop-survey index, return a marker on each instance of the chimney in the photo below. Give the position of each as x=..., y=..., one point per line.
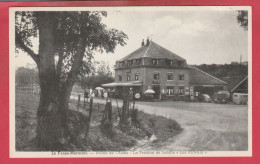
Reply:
x=143, y=43
x=147, y=42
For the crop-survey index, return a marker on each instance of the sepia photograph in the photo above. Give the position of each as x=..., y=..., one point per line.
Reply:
x=130, y=81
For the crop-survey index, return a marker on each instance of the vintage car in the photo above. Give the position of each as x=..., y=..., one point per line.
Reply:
x=206, y=98
x=221, y=97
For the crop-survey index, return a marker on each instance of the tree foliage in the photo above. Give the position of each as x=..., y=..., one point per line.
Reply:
x=69, y=28
x=96, y=81
x=103, y=69
x=224, y=70
x=101, y=76
x=242, y=19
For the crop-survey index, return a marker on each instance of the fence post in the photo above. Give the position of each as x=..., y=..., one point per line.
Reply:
x=90, y=106
x=78, y=100
x=84, y=101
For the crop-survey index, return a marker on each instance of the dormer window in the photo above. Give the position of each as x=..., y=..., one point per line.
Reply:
x=155, y=62
x=169, y=62
x=180, y=63
x=129, y=62
x=121, y=64
x=138, y=61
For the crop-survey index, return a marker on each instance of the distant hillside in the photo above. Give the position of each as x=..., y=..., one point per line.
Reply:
x=226, y=70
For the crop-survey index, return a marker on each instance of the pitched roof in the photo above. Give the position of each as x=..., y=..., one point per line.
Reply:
x=152, y=50
x=199, y=77
x=233, y=81
x=239, y=84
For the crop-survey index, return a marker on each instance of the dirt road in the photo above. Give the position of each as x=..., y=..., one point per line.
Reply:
x=207, y=126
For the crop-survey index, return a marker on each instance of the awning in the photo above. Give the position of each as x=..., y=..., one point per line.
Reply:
x=149, y=91
x=136, y=83
x=99, y=88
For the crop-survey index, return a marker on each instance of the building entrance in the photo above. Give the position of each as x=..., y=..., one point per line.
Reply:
x=156, y=89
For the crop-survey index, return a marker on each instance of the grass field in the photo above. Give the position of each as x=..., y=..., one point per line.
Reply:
x=124, y=139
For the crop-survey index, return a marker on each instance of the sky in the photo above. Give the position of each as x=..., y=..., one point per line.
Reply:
x=200, y=35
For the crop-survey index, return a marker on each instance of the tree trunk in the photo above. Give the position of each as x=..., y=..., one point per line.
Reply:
x=50, y=130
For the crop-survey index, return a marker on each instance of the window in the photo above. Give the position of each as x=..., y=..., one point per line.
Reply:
x=181, y=90
x=119, y=77
x=128, y=77
x=181, y=77
x=180, y=63
x=155, y=61
x=137, y=61
x=169, y=62
x=129, y=63
x=156, y=76
x=170, y=90
x=136, y=76
x=170, y=76
x=121, y=64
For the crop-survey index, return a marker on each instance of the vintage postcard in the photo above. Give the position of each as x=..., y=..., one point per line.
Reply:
x=130, y=81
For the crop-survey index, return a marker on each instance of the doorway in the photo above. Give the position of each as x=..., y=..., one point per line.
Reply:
x=156, y=89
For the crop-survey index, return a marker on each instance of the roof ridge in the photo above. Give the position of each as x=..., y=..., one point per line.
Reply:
x=168, y=50
x=209, y=75
x=152, y=50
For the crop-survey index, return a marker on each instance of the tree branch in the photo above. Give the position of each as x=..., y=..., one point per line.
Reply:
x=20, y=44
x=75, y=68
x=78, y=58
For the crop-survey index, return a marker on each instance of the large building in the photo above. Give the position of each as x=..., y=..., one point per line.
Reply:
x=167, y=74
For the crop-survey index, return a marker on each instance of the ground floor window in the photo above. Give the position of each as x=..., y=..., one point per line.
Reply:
x=181, y=90
x=170, y=90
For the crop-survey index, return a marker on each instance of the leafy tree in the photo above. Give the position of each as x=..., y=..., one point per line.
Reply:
x=103, y=69
x=242, y=19
x=67, y=42
x=103, y=76
x=96, y=81
x=224, y=70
